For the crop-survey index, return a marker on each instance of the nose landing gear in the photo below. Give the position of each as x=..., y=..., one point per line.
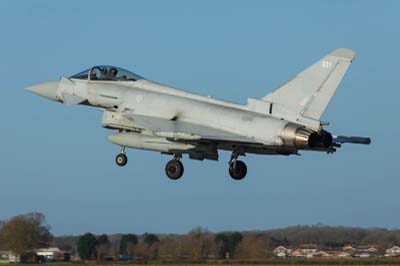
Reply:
x=121, y=158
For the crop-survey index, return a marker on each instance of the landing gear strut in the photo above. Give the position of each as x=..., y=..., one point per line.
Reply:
x=237, y=168
x=121, y=158
x=174, y=168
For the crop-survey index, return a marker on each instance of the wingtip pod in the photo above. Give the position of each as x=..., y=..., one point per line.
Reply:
x=344, y=53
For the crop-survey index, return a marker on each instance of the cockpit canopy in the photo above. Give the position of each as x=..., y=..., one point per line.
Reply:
x=107, y=73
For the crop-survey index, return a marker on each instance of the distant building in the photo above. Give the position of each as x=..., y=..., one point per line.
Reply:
x=45, y=254
x=313, y=251
x=53, y=254
x=349, y=248
x=362, y=252
x=298, y=254
x=282, y=250
x=306, y=251
x=8, y=256
x=4, y=257
x=281, y=255
x=344, y=254
x=367, y=249
x=321, y=253
x=392, y=252
x=364, y=255
x=279, y=249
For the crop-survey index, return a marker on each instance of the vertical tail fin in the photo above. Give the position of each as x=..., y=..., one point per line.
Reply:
x=309, y=93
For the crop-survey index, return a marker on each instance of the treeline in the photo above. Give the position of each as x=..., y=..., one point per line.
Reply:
x=200, y=245
x=101, y=248
x=30, y=231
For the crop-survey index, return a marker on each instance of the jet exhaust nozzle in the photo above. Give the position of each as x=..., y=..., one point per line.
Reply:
x=323, y=139
x=302, y=138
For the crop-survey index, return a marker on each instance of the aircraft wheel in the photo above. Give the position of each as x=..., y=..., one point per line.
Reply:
x=239, y=171
x=121, y=159
x=174, y=169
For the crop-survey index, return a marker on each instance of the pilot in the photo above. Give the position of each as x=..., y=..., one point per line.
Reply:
x=112, y=74
x=103, y=74
x=93, y=75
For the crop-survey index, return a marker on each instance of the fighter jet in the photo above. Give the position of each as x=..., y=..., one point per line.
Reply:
x=147, y=115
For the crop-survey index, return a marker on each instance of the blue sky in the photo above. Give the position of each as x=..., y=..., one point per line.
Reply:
x=57, y=160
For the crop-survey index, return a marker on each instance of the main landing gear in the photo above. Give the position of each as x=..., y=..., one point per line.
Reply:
x=237, y=168
x=174, y=168
x=121, y=158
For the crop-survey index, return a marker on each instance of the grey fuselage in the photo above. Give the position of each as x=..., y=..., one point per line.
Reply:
x=151, y=116
x=152, y=99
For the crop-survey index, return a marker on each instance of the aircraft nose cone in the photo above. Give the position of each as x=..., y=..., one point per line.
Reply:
x=46, y=89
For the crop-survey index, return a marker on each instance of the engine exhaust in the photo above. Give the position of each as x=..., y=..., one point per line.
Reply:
x=297, y=136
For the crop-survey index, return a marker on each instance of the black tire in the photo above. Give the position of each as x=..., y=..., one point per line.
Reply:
x=174, y=169
x=239, y=172
x=121, y=159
